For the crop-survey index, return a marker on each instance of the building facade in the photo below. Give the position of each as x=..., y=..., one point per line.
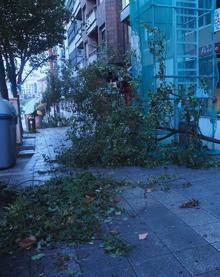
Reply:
x=33, y=87
x=191, y=30
x=95, y=25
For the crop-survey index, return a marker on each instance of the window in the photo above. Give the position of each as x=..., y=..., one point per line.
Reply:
x=204, y=15
x=103, y=35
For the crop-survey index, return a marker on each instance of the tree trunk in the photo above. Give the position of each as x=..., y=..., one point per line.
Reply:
x=20, y=72
x=3, y=85
x=19, y=116
x=11, y=69
x=189, y=133
x=13, y=76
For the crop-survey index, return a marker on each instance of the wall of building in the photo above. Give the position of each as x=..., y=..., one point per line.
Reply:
x=34, y=86
x=97, y=23
x=114, y=35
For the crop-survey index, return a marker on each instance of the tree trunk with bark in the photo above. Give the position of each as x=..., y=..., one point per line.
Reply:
x=3, y=85
x=189, y=133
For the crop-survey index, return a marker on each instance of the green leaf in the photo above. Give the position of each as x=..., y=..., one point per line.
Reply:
x=37, y=257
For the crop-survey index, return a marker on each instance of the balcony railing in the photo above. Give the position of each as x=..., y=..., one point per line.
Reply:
x=81, y=63
x=92, y=56
x=125, y=3
x=76, y=7
x=77, y=40
x=125, y=13
x=91, y=21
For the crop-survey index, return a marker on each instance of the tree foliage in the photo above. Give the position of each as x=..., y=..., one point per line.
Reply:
x=177, y=111
x=53, y=91
x=27, y=29
x=105, y=131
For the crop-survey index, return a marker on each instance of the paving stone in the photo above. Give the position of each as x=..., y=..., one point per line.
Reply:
x=123, y=204
x=158, y=214
x=213, y=207
x=132, y=192
x=215, y=273
x=113, y=272
x=164, y=266
x=194, y=217
x=169, y=199
x=58, y=261
x=216, y=245
x=92, y=256
x=28, y=166
x=135, y=198
x=182, y=237
x=200, y=174
x=26, y=153
x=199, y=260
x=161, y=220
x=142, y=249
x=210, y=232
x=149, y=248
x=196, y=193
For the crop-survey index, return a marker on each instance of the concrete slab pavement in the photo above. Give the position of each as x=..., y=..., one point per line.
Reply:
x=35, y=169
x=181, y=242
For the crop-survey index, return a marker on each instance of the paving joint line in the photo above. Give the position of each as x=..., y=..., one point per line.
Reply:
x=189, y=227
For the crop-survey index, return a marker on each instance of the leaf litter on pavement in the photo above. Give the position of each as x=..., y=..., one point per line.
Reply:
x=191, y=204
x=70, y=209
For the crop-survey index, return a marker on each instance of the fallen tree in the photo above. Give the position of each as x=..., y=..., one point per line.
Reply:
x=188, y=133
x=168, y=102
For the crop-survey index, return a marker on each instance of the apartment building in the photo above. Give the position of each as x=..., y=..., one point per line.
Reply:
x=34, y=86
x=95, y=24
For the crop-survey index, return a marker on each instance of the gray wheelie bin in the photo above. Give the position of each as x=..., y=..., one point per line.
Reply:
x=8, y=121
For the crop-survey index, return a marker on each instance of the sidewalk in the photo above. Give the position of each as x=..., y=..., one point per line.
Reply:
x=180, y=242
x=34, y=170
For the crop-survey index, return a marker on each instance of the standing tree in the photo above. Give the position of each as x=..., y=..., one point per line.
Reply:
x=28, y=28
x=52, y=94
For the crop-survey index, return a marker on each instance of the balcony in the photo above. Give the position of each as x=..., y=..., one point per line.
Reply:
x=77, y=10
x=77, y=57
x=125, y=13
x=92, y=57
x=76, y=41
x=91, y=21
x=81, y=63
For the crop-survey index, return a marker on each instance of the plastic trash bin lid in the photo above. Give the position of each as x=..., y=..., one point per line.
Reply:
x=7, y=110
